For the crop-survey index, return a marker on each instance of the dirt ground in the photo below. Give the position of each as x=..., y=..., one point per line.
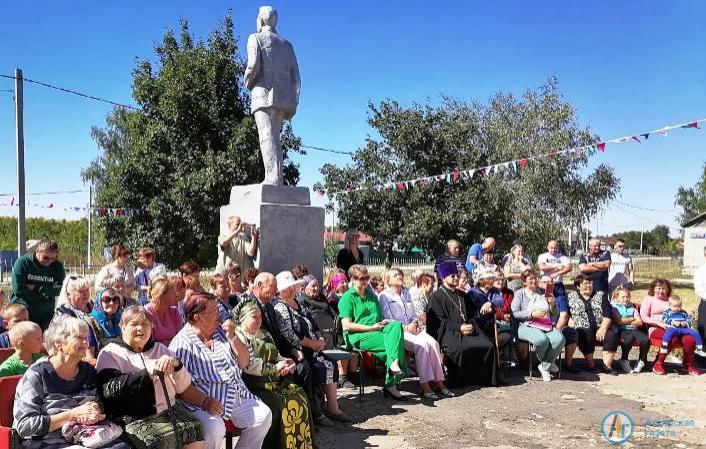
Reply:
x=564, y=413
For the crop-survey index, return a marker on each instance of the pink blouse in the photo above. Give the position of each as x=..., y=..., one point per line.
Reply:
x=651, y=310
x=166, y=327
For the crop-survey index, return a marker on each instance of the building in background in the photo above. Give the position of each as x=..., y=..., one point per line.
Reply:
x=694, y=242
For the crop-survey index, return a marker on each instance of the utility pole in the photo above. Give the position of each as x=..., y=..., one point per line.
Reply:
x=21, y=202
x=90, y=201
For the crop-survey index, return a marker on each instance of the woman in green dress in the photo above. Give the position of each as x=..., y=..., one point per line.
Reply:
x=292, y=425
x=364, y=327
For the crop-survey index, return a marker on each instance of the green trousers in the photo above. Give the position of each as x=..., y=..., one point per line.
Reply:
x=386, y=345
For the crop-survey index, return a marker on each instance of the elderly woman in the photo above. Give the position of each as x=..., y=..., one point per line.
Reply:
x=128, y=385
x=215, y=363
x=593, y=315
x=119, y=268
x=486, y=264
x=397, y=305
x=531, y=307
x=423, y=288
x=489, y=299
x=651, y=309
x=265, y=376
x=78, y=305
x=58, y=390
x=350, y=254
x=364, y=327
x=104, y=321
x=315, y=301
x=118, y=284
x=299, y=328
x=516, y=264
x=162, y=307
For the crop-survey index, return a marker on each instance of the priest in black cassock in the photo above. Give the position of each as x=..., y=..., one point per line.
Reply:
x=470, y=354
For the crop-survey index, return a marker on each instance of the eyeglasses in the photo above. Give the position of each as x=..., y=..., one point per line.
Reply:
x=111, y=299
x=363, y=278
x=75, y=278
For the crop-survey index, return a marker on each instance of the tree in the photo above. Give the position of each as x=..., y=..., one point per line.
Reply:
x=530, y=205
x=180, y=153
x=692, y=201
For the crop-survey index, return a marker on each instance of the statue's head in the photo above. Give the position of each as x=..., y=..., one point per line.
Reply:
x=266, y=17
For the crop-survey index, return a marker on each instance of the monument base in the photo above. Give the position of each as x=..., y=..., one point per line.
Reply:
x=291, y=230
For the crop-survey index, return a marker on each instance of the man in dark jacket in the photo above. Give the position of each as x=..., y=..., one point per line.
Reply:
x=36, y=281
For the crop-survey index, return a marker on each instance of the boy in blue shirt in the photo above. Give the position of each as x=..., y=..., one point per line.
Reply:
x=678, y=323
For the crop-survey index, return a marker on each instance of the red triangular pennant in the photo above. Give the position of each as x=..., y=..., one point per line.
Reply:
x=601, y=147
x=523, y=163
x=455, y=175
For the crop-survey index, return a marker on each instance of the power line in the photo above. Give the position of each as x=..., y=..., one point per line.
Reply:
x=63, y=89
x=327, y=150
x=644, y=208
x=48, y=193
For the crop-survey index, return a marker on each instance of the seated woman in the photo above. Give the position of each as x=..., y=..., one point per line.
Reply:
x=78, y=305
x=591, y=311
x=266, y=377
x=397, y=305
x=486, y=265
x=118, y=284
x=365, y=328
x=299, y=328
x=424, y=284
x=531, y=308
x=104, y=321
x=215, y=363
x=162, y=307
x=129, y=387
x=465, y=283
x=651, y=309
x=58, y=390
x=337, y=285
x=561, y=319
x=488, y=299
x=451, y=320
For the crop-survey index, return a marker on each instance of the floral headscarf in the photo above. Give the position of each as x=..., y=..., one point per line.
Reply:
x=109, y=325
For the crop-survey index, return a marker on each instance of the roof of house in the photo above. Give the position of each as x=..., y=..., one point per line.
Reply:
x=339, y=236
x=695, y=221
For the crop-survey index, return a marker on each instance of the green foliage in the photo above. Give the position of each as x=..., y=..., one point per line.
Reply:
x=656, y=242
x=72, y=236
x=179, y=155
x=531, y=206
x=692, y=201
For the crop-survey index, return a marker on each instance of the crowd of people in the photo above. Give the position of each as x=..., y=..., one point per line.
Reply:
x=148, y=353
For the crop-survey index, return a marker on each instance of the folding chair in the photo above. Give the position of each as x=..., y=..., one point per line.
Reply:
x=231, y=431
x=5, y=353
x=360, y=353
x=8, y=437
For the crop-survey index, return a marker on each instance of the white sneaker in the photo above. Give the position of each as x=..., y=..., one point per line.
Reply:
x=625, y=366
x=700, y=353
x=640, y=365
x=553, y=368
x=546, y=375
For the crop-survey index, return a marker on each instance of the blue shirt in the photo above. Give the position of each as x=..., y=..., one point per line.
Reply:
x=475, y=250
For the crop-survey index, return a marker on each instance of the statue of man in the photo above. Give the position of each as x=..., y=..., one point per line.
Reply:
x=272, y=76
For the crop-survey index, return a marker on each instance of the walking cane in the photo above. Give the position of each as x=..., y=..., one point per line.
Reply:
x=179, y=440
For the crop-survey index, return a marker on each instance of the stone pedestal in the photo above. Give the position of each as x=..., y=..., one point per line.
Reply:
x=291, y=229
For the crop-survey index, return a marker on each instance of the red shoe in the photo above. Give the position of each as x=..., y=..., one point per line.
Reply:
x=658, y=368
x=694, y=371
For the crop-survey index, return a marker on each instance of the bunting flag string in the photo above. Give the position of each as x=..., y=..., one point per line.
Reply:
x=515, y=165
x=97, y=211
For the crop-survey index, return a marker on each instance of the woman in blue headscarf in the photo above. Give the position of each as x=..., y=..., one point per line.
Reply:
x=105, y=317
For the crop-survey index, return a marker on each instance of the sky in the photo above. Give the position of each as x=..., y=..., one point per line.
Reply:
x=627, y=67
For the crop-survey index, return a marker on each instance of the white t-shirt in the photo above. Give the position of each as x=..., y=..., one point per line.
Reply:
x=557, y=262
x=620, y=265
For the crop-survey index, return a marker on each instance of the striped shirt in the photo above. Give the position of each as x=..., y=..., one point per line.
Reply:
x=215, y=372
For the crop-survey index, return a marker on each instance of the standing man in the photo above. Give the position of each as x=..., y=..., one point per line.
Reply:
x=595, y=265
x=555, y=265
x=272, y=76
x=236, y=246
x=700, y=289
x=453, y=253
x=36, y=282
x=622, y=271
x=475, y=253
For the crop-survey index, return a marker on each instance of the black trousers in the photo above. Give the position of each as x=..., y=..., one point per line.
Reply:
x=630, y=335
x=701, y=328
x=587, y=340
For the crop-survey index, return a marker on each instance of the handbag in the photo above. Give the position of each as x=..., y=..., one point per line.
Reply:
x=170, y=429
x=91, y=436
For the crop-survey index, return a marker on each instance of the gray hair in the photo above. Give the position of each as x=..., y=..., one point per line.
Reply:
x=47, y=246
x=59, y=331
x=76, y=283
x=594, y=240
x=267, y=16
x=264, y=278
x=133, y=312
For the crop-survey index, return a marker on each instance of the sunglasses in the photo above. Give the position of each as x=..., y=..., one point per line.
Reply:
x=363, y=278
x=113, y=299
